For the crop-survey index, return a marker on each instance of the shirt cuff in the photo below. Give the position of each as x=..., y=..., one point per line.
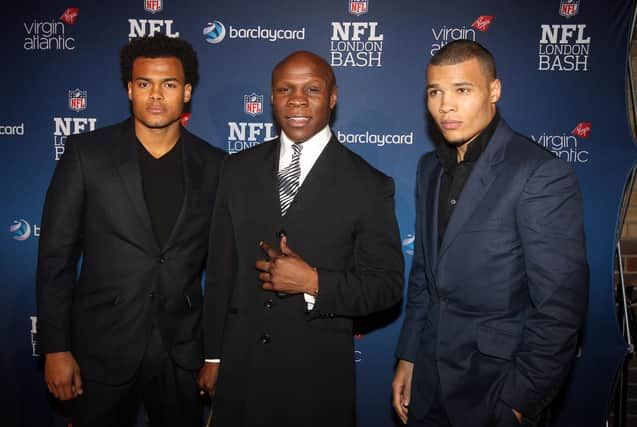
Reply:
x=212, y=360
x=310, y=300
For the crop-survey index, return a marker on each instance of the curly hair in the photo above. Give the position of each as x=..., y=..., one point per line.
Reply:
x=159, y=46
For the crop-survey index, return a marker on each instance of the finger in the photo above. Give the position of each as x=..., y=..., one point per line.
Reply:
x=265, y=277
x=285, y=249
x=262, y=265
x=406, y=397
x=52, y=390
x=268, y=286
x=64, y=391
x=269, y=250
x=396, y=401
x=77, y=384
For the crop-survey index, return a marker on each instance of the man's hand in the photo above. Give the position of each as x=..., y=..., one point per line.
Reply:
x=401, y=389
x=518, y=415
x=62, y=375
x=207, y=378
x=286, y=271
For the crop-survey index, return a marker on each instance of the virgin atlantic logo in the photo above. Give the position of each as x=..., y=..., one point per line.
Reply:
x=483, y=23
x=70, y=15
x=583, y=129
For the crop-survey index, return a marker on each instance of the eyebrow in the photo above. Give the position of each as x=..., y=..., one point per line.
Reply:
x=167, y=79
x=457, y=84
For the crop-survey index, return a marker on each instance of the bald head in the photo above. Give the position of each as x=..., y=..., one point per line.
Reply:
x=303, y=95
x=309, y=60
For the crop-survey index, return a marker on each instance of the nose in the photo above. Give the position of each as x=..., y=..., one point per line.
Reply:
x=297, y=98
x=156, y=93
x=447, y=104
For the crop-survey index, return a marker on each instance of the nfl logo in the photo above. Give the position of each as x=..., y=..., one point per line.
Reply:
x=153, y=6
x=569, y=8
x=358, y=7
x=77, y=100
x=253, y=104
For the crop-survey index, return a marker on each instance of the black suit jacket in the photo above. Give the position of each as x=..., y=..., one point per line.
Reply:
x=493, y=312
x=95, y=211
x=280, y=365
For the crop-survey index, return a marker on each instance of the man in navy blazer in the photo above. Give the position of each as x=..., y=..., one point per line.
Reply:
x=132, y=204
x=498, y=285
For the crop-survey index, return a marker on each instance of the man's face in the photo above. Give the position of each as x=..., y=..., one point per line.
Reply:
x=461, y=99
x=158, y=92
x=303, y=96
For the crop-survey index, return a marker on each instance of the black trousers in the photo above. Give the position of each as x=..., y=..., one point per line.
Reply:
x=168, y=393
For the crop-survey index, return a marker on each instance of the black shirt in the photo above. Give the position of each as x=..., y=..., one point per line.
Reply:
x=455, y=175
x=163, y=186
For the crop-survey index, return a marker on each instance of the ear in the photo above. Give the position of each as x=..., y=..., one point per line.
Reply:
x=187, y=92
x=333, y=98
x=495, y=90
x=130, y=91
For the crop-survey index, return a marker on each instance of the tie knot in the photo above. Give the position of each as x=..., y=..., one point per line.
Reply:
x=297, y=149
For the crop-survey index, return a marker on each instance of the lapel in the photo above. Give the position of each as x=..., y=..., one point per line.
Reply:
x=431, y=185
x=316, y=182
x=193, y=179
x=127, y=164
x=482, y=176
x=271, y=204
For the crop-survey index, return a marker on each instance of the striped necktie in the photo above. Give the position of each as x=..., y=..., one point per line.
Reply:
x=289, y=179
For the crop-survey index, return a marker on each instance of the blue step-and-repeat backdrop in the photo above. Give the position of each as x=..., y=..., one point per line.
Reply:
x=563, y=68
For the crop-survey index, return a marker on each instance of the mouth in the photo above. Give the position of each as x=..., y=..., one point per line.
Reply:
x=450, y=124
x=155, y=109
x=297, y=121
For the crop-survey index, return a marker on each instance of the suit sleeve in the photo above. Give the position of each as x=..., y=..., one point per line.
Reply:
x=220, y=270
x=550, y=223
x=375, y=282
x=59, y=251
x=417, y=290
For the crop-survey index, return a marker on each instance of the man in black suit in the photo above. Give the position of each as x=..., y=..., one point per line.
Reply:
x=318, y=223
x=134, y=202
x=498, y=284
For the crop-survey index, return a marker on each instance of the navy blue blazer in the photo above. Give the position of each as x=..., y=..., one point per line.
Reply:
x=493, y=312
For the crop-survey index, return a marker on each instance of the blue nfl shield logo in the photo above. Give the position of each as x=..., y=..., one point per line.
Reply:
x=153, y=6
x=77, y=100
x=253, y=104
x=358, y=7
x=569, y=8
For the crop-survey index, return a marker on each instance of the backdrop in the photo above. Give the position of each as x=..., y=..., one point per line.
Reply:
x=563, y=67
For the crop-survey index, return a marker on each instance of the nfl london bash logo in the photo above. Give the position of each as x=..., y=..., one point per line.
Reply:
x=253, y=104
x=569, y=8
x=153, y=6
x=77, y=100
x=358, y=7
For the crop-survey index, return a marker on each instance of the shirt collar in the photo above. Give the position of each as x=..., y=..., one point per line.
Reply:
x=447, y=153
x=312, y=147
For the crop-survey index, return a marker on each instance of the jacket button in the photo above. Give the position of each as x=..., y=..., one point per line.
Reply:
x=266, y=338
x=268, y=304
x=161, y=260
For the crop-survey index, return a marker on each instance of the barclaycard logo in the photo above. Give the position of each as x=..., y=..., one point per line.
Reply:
x=215, y=32
x=20, y=229
x=408, y=244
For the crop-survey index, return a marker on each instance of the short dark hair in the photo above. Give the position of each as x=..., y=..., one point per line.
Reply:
x=159, y=46
x=463, y=50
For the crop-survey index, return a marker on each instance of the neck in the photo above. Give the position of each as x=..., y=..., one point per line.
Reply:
x=158, y=141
